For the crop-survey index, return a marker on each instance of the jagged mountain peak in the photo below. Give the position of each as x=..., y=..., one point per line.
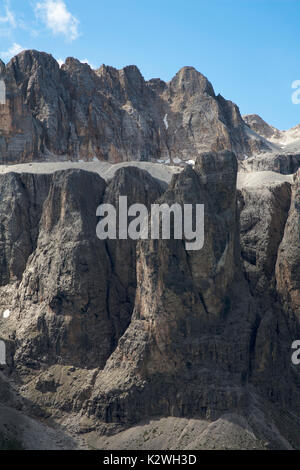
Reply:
x=132, y=70
x=257, y=124
x=74, y=112
x=31, y=58
x=286, y=141
x=189, y=80
x=131, y=76
x=73, y=62
x=106, y=69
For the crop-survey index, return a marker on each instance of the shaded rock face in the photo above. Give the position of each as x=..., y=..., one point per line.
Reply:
x=75, y=292
x=104, y=334
x=269, y=250
x=115, y=115
x=202, y=340
x=284, y=163
x=263, y=215
x=288, y=262
x=175, y=333
x=22, y=198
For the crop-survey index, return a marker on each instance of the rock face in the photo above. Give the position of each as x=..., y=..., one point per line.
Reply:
x=75, y=291
x=205, y=339
x=104, y=334
x=164, y=362
x=284, y=156
x=261, y=127
x=283, y=138
x=286, y=163
x=22, y=198
x=287, y=267
x=264, y=211
x=74, y=112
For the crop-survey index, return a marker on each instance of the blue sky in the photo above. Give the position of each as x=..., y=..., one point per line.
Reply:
x=248, y=49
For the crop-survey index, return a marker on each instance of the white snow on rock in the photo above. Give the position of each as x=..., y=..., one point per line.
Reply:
x=262, y=178
x=6, y=314
x=104, y=169
x=166, y=121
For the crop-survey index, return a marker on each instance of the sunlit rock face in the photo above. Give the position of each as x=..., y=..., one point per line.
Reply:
x=74, y=112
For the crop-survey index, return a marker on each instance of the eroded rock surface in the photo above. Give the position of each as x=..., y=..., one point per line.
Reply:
x=75, y=292
x=77, y=113
x=104, y=334
x=288, y=262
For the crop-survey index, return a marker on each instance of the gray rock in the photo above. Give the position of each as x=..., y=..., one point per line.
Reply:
x=77, y=113
x=103, y=335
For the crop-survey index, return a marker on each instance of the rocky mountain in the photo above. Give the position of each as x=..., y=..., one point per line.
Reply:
x=257, y=124
x=123, y=344
x=102, y=336
x=282, y=138
x=77, y=113
x=285, y=154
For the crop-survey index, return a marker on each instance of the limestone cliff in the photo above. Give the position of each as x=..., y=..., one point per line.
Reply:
x=77, y=113
x=103, y=335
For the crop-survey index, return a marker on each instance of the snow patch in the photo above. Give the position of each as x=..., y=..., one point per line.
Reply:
x=166, y=122
x=6, y=314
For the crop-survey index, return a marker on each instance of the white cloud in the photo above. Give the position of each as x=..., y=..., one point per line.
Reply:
x=9, y=17
x=60, y=62
x=55, y=14
x=12, y=51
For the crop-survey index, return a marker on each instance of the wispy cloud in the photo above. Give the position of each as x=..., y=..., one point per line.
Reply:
x=57, y=18
x=7, y=16
x=12, y=51
x=10, y=22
